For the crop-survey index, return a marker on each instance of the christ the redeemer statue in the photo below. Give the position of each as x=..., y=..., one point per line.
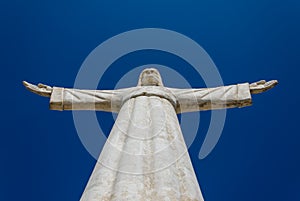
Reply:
x=145, y=156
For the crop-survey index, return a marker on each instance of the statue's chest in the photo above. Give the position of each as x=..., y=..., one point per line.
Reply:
x=151, y=91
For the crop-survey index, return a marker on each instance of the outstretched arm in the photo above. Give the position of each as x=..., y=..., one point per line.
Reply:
x=239, y=95
x=78, y=99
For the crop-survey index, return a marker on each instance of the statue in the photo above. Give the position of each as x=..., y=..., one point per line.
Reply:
x=145, y=156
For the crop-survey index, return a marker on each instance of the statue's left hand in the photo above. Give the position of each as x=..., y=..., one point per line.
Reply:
x=40, y=89
x=262, y=86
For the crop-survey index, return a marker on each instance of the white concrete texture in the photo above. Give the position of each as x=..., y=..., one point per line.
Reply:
x=145, y=157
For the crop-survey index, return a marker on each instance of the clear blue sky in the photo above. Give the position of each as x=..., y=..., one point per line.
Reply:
x=257, y=157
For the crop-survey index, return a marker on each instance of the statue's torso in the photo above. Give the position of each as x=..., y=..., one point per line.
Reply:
x=158, y=91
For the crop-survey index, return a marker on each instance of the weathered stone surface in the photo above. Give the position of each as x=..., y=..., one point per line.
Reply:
x=145, y=157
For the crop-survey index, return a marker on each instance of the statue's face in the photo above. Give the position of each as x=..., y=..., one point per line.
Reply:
x=150, y=77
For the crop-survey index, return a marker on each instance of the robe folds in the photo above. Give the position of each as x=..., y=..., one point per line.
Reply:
x=145, y=156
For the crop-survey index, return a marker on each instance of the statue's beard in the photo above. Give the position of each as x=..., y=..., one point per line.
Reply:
x=150, y=80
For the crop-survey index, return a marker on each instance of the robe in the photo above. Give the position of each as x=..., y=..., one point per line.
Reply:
x=145, y=156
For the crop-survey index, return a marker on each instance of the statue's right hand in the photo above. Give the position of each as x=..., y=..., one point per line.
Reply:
x=40, y=89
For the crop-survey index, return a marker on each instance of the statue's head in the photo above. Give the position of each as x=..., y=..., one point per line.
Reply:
x=150, y=77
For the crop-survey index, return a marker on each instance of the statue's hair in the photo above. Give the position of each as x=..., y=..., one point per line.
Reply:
x=160, y=83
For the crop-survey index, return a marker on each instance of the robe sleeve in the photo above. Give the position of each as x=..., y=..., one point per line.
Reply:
x=190, y=100
x=78, y=99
